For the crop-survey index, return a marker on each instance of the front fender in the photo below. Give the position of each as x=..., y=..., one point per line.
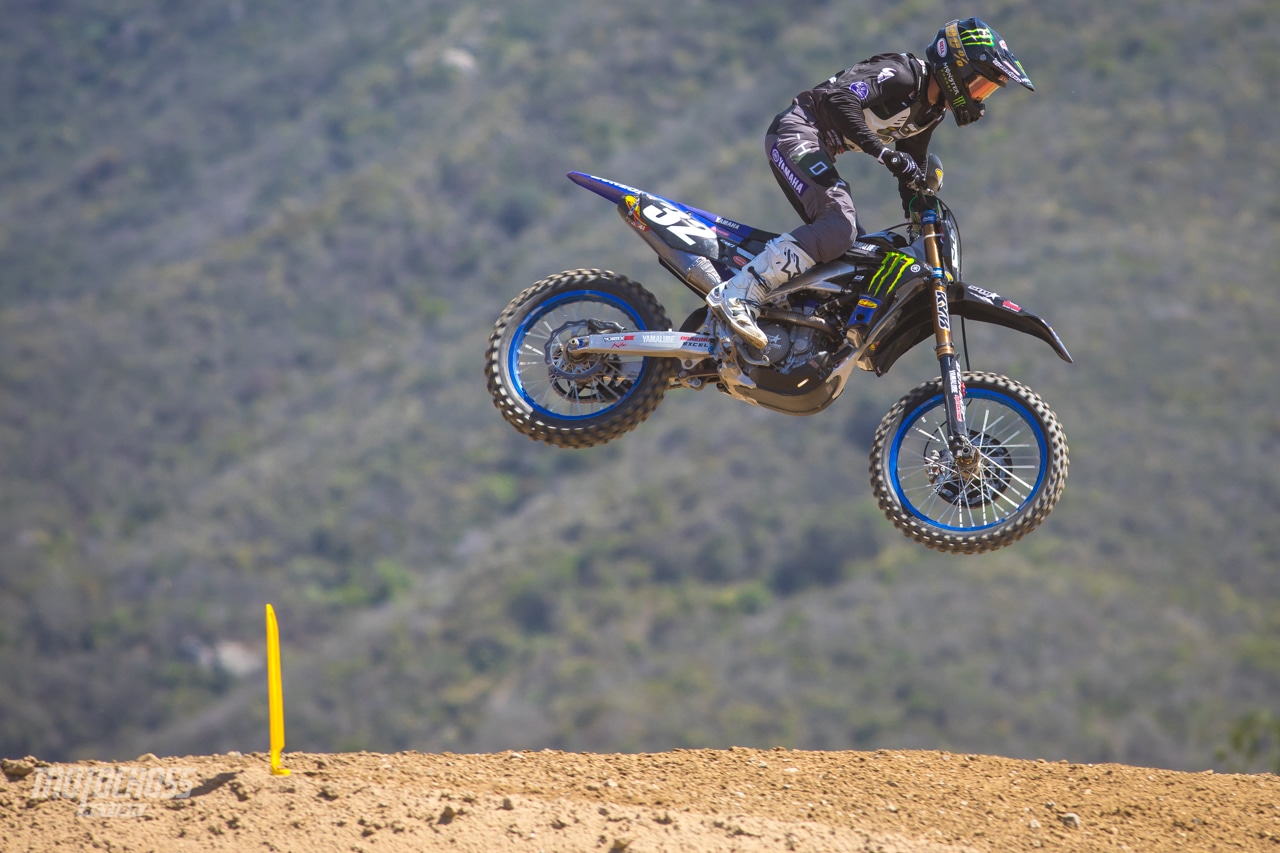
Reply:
x=974, y=303
x=915, y=323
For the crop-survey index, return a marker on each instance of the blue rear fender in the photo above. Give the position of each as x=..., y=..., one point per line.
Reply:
x=615, y=192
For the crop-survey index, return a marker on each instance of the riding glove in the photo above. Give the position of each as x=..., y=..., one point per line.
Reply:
x=902, y=166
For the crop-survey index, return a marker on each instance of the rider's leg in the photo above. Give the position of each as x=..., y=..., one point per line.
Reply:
x=806, y=173
x=808, y=177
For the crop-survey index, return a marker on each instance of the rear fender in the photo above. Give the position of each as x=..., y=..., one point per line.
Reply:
x=672, y=223
x=690, y=223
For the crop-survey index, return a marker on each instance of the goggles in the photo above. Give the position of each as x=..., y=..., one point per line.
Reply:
x=980, y=88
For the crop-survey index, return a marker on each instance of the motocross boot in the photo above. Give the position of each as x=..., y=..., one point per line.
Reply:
x=738, y=300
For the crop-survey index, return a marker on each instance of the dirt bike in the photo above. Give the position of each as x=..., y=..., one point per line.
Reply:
x=965, y=463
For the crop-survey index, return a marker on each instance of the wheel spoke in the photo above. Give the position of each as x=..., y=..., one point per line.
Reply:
x=572, y=388
x=969, y=506
x=944, y=493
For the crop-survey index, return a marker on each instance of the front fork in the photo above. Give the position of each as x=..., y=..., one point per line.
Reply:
x=961, y=447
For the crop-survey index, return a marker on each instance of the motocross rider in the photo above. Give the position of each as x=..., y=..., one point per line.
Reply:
x=891, y=98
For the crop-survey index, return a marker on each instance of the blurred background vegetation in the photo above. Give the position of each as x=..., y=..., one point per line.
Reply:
x=249, y=257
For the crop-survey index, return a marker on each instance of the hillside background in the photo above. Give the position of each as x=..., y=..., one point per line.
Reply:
x=249, y=258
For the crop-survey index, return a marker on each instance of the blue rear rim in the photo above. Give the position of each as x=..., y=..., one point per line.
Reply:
x=536, y=342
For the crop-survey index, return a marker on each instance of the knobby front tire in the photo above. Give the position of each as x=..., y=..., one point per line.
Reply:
x=1020, y=477
x=584, y=401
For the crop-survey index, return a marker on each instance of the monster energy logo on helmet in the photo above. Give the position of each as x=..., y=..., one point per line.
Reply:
x=979, y=35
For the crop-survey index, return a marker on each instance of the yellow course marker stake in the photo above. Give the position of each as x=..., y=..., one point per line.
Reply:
x=275, y=693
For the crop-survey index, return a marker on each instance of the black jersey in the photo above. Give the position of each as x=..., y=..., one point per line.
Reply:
x=874, y=104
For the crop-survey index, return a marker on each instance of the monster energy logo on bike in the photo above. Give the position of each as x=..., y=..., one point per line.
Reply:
x=890, y=273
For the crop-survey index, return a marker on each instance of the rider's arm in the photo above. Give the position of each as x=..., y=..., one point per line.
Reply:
x=845, y=108
x=917, y=148
x=886, y=82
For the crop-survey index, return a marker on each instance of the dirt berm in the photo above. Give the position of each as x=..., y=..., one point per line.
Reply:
x=696, y=800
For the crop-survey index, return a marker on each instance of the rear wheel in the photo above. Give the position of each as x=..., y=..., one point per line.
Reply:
x=575, y=401
x=1019, y=475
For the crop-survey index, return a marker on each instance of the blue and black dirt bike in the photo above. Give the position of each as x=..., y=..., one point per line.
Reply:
x=966, y=463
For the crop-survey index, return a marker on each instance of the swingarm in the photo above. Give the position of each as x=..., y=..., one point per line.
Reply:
x=682, y=345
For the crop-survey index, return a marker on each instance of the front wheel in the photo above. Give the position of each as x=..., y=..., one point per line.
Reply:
x=1015, y=484
x=569, y=401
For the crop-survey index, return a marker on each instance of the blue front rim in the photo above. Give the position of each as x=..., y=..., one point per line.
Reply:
x=553, y=322
x=1015, y=453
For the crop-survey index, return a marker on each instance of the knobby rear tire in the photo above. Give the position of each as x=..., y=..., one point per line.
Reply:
x=575, y=403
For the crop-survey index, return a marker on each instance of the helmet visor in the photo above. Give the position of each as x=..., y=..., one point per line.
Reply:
x=981, y=88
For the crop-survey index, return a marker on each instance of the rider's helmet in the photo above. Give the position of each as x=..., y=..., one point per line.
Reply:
x=970, y=61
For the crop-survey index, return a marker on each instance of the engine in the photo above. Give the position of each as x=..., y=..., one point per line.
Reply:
x=794, y=345
x=792, y=373
x=790, y=347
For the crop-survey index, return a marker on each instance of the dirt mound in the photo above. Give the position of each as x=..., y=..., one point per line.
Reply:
x=695, y=800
